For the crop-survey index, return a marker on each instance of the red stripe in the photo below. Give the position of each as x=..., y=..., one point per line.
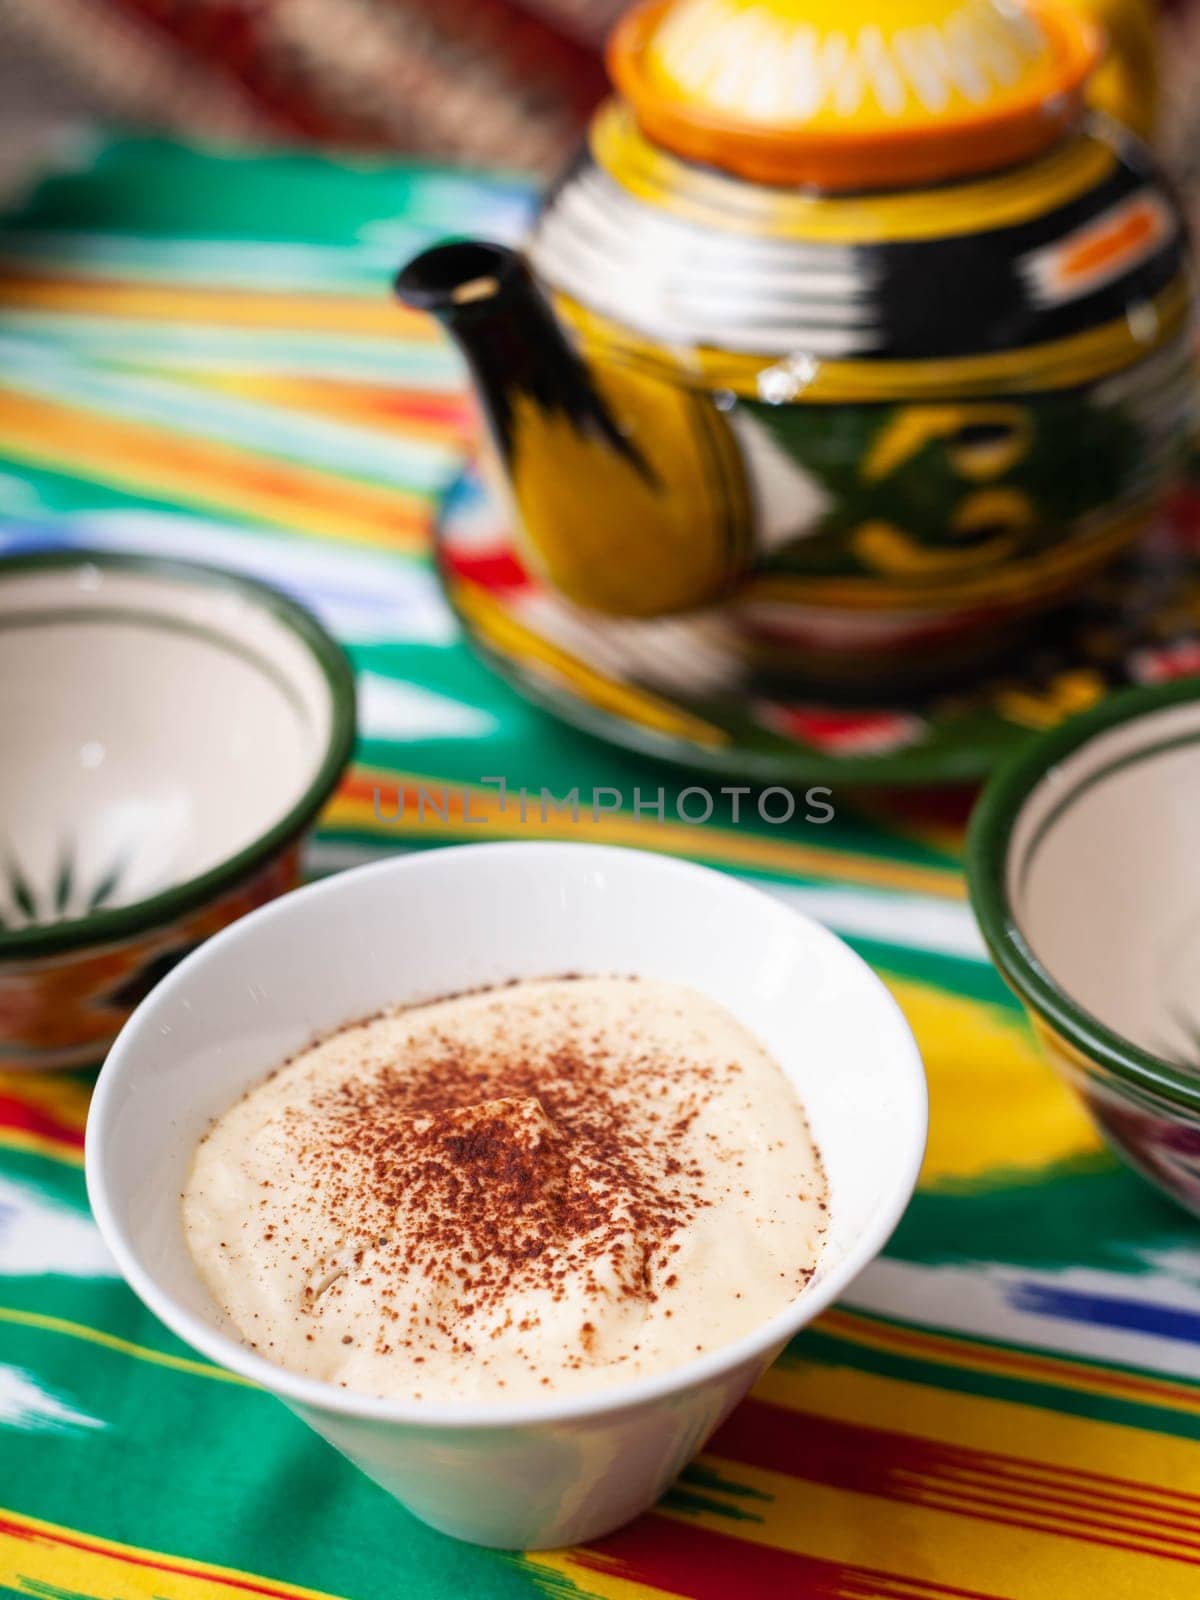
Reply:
x=684, y=1558
x=1042, y=1510
x=1170, y=1509
x=907, y=1468
x=1052, y=1369
x=392, y=790
x=777, y=1438
x=1034, y=1524
x=495, y=568
x=492, y=41
x=19, y=1114
x=453, y=412
x=227, y=39
x=143, y=1558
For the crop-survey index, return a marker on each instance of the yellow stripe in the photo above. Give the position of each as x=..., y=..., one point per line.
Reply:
x=36, y=1553
x=372, y=314
x=689, y=192
x=110, y=1341
x=63, y=1098
x=840, y=1525
x=352, y=810
x=1157, y=1461
x=1019, y=578
x=1056, y=364
x=940, y=1545
x=198, y=471
x=39, y=1144
x=971, y=1355
x=362, y=405
x=995, y=1105
x=558, y=1565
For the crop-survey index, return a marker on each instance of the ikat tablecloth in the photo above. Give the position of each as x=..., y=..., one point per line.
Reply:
x=199, y=356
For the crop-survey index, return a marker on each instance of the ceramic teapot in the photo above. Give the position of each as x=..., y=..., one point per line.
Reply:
x=850, y=319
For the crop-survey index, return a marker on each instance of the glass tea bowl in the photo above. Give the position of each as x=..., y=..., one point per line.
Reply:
x=1083, y=862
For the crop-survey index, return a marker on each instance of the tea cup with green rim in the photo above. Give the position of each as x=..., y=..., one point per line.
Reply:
x=1083, y=862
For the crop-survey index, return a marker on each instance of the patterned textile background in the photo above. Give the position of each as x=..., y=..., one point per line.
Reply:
x=198, y=356
x=494, y=82
x=497, y=81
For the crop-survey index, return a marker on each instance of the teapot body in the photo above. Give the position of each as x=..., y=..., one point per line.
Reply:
x=891, y=417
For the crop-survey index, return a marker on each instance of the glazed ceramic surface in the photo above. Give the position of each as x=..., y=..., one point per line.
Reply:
x=545, y=1473
x=1085, y=873
x=178, y=729
x=1127, y=82
x=685, y=688
x=847, y=317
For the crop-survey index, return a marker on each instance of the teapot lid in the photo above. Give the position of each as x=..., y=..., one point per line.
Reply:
x=854, y=94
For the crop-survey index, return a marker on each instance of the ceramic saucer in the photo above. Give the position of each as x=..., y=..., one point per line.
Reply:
x=680, y=688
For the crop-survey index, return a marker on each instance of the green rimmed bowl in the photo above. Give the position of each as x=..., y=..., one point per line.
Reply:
x=1083, y=862
x=169, y=732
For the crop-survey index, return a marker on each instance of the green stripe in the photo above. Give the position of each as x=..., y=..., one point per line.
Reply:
x=819, y=1349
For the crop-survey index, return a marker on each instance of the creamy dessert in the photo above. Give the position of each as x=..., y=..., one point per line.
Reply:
x=543, y=1188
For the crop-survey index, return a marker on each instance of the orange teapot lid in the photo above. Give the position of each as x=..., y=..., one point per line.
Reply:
x=849, y=94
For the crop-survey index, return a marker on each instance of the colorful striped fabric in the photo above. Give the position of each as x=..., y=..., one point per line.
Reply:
x=198, y=356
x=464, y=78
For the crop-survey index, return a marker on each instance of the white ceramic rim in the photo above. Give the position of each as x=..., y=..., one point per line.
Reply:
x=316, y=1395
x=116, y=924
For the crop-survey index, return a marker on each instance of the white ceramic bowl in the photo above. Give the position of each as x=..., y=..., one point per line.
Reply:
x=548, y=1472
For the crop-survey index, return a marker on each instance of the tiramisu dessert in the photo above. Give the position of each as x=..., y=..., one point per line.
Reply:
x=544, y=1188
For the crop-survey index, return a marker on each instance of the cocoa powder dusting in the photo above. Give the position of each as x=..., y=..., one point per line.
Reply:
x=522, y=1188
x=495, y=1170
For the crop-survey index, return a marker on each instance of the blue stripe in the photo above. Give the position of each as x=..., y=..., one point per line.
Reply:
x=1109, y=1311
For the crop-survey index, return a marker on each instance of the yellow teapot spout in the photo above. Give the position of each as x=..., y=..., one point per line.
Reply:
x=628, y=488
